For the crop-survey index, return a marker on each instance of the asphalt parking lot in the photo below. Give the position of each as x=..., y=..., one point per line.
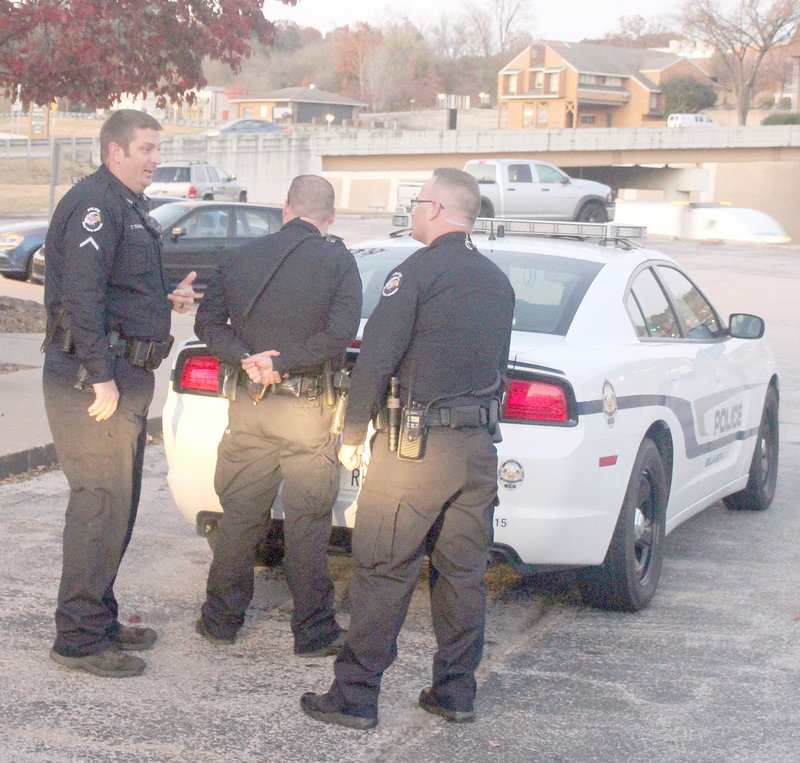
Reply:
x=710, y=672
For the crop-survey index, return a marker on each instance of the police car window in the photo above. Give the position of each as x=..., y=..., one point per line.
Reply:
x=699, y=317
x=548, y=290
x=659, y=320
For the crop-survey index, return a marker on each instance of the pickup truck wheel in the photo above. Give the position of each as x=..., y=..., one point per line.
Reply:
x=593, y=213
x=487, y=210
x=627, y=579
x=760, y=489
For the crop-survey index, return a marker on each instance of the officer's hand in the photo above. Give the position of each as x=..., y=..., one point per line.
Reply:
x=259, y=367
x=106, y=398
x=182, y=296
x=350, y=456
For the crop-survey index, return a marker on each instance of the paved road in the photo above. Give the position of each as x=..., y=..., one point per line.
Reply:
x=709, y=673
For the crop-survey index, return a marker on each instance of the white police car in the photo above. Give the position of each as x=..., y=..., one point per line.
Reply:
x=630, y=406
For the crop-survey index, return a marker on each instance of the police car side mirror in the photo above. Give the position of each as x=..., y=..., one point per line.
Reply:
x=178, y=232
x=745, y=326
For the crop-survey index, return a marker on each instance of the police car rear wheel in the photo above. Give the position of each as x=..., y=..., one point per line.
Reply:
x=760, y=489
x=628, y=577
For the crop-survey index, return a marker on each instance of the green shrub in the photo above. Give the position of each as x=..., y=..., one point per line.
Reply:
x=782, y=119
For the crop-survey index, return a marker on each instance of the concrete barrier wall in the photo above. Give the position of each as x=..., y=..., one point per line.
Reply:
x=369, y=168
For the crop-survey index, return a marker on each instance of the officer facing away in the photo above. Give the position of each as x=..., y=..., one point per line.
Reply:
x=108, y=322
x=293, y=300
x=442, y=329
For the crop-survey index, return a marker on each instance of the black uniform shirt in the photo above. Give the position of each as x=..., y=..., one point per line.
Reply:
x=104, y=270
x=442, y=325
x=309, y=312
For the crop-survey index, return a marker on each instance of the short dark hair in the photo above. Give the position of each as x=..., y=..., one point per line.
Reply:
x=311, y=196
x=120, y=127
x=459, y=190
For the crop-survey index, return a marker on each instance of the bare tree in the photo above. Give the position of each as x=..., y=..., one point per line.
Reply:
x=741, y=33
x=499, y=24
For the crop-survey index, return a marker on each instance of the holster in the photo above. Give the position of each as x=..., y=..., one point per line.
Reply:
x=228, y=380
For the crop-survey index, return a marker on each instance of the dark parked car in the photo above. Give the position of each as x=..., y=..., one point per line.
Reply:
x=199, y=234
x=18, y=242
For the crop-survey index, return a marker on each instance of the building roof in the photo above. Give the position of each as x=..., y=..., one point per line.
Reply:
x=606, y=60
x=301, y=95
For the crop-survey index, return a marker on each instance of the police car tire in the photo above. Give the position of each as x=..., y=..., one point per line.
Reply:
x=760, y=488
x=628, y=577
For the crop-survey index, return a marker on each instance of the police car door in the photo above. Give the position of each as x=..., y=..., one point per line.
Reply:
x=688, y=348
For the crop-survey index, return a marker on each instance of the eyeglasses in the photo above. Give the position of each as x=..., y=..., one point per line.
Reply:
x=416, y=202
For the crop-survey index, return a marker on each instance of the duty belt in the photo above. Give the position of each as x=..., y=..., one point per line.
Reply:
x=301, y=385
x=455, y=417
x=144, y=353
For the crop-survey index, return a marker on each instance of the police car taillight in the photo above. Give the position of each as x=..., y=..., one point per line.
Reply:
x=536, y=401
x=192, y=192
x=200, y=373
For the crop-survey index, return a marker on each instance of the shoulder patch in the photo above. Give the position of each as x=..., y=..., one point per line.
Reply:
x=92, y=220
x=392, y=285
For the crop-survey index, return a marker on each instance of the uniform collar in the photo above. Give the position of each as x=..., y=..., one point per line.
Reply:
x=310, y=227
x=457, y=238
x=120, y=187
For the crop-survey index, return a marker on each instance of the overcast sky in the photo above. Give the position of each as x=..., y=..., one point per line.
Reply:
x=570, y=20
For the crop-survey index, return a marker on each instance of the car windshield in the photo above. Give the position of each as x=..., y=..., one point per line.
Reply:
x=167, y=214
x=548, y=289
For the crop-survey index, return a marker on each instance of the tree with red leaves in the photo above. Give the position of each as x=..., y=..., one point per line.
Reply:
x=93, y=51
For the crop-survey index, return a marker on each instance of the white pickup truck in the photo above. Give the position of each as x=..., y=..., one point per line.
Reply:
x=536, y=190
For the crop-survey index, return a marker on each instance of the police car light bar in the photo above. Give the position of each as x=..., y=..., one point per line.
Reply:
x=500, y=227
x=609, y=231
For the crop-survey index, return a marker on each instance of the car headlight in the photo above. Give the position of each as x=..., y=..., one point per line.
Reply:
x=11, y=240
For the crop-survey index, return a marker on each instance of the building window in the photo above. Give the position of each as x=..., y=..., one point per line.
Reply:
x=613, y=81
x=538, y=82
x=587, y=119
x=511, y=84
x=543, y=114
x=553, y=89
x=587, y=79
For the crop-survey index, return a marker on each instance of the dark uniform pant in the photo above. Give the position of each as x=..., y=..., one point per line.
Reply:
x=102, y=462
x=443, y=504
x=282, y=437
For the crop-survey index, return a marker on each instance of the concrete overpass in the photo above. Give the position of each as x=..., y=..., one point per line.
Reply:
x=748, y=166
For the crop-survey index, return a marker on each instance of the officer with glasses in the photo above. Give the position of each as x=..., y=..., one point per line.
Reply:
x=438, y=340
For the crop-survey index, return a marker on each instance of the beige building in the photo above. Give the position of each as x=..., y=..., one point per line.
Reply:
x=562, y=84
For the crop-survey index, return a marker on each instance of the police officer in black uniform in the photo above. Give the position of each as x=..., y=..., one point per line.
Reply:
x=442, y=327
x=281, y=312
x=108, y=322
